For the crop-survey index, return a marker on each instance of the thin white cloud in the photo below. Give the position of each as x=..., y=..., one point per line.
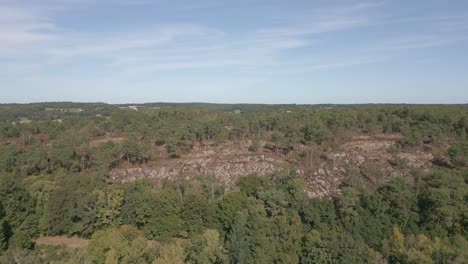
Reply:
x=22, y=29
x=104, y=45
x=314, y=27
x=29, y=33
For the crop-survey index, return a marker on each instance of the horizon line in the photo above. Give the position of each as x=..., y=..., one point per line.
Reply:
x=222, y=103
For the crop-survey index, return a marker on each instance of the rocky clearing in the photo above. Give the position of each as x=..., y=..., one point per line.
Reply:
x=372, y=160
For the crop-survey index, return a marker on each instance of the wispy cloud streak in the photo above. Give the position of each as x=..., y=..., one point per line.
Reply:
x=29, y=33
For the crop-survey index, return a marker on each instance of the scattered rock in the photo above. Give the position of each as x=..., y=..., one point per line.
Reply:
x=323, y=173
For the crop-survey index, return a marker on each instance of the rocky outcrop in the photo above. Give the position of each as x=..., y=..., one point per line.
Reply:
x=363, y=160
x=227, y=163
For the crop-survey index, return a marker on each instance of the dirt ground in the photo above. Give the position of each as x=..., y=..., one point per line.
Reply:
x=69, y=242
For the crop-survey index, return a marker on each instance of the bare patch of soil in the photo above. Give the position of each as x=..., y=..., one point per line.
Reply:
x=99, y=140
x=69, y=242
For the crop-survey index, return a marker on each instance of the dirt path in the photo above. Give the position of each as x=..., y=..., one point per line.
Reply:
x=70, y=242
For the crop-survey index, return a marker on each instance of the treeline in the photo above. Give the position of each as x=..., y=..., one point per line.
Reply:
x=264, y=221
x=179, y=131
x=50, y=111
x=56, y=110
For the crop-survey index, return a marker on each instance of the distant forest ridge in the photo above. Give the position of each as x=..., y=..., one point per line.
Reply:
x=47, y=110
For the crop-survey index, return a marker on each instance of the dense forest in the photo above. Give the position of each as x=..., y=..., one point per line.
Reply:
x=56, y=158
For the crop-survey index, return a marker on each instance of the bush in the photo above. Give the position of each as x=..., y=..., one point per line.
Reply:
x=459, y=154
x=255, y=146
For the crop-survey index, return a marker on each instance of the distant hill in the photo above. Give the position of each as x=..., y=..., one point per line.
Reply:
x=54, y=110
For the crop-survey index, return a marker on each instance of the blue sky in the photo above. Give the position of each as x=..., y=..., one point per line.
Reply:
x=254, y=51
